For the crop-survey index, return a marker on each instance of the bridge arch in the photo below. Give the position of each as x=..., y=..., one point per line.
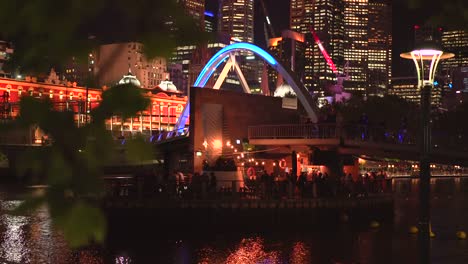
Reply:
x=227, y=53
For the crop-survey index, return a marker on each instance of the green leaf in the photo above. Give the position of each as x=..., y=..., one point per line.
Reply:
x=59, y=172
x=124, y=99
x=138, y=150
x=29, y=204
x=82, y=224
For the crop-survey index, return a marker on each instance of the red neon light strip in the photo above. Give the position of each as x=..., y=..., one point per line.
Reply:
x=324, y=52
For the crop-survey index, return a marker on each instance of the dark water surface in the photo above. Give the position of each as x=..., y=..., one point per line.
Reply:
x=31, y=239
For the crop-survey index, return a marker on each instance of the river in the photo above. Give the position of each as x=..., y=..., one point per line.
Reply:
x=31, y=239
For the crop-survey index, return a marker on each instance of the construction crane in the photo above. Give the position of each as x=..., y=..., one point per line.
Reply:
x=268, y=21
x=340, y=77
x=268, y=30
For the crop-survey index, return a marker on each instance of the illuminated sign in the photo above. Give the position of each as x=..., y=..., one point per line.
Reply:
x=208, y=13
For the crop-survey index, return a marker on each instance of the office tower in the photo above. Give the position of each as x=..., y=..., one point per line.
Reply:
x=356, y=45
x=407, y=88
x=456, y=42
x=289, y=49
x=380, y=47
x=355, y=33
x=182, y=55
x=325, y=18
x=210, y=22
x=236, y=18
x=196, y=9
x=455, y=70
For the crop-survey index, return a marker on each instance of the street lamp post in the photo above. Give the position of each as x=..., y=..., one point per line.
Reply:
x=426, y=61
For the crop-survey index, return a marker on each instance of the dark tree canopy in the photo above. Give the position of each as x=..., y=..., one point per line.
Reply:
x=49, y=32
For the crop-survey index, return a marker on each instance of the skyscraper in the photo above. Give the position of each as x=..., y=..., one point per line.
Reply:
x=356, y=45
x=455, y=70
x=380, y=46
x=325, y=17
x=236, y=18
x=182, y=55
x=196, y=9
x=356, y=33
x=210, y=22
x=455, y=41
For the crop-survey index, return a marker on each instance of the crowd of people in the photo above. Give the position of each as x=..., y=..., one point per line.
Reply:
x=266, y=186
x=316, y=185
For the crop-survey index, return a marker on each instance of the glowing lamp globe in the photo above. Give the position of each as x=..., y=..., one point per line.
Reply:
x=426, y=61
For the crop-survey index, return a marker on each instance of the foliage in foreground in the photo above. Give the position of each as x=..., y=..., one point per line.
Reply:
x=73, y=165
x=50, y=32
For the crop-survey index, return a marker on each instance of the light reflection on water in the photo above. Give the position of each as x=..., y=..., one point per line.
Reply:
x=32, y=239
x=13, y=239
x=300, y=253
x=252, y=251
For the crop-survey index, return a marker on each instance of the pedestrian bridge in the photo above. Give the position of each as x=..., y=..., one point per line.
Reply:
x=356, y=140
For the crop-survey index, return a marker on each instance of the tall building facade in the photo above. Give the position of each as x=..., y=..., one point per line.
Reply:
x=196, y=9
x=236, y=18
x=380, y=46
x=407, y=88
x=210, y=22
x=355, y=33
x=325, y=18
x=115, y=60
x=455, y=69
x=289, y=48
x=356, y=46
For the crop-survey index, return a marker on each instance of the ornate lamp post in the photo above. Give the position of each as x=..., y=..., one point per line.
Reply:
x=426, y=60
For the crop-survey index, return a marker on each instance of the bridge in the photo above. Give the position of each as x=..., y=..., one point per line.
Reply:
x=354, y=140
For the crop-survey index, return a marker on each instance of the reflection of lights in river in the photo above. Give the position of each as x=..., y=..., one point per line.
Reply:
x=13, y=240
x=300, y=253
x=252, y=250
x=123, y=260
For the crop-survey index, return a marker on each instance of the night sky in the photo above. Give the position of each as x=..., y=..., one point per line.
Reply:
x=403, y=22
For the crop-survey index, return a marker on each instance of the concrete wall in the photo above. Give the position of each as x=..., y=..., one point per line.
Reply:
x=239, y=111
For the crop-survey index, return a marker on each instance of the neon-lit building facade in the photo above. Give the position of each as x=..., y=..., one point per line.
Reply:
x=162, y=114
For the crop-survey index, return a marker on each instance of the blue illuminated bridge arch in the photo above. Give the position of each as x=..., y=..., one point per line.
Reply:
x=223, y=54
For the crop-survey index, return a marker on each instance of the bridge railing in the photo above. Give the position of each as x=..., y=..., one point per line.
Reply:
x=441, y=140
x=293, y=131
x=329, y=131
